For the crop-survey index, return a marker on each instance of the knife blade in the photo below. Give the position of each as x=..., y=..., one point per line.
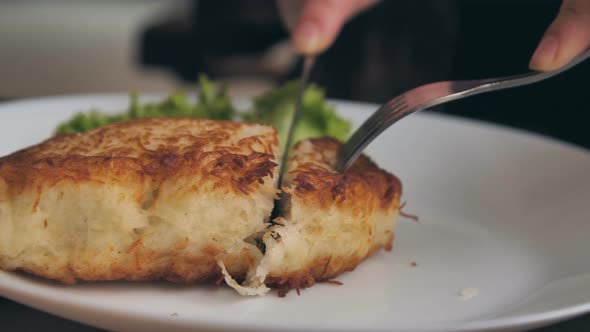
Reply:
x=307, y=66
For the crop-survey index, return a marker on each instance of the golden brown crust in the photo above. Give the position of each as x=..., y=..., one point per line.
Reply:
x=144, y=149
x=312, y=172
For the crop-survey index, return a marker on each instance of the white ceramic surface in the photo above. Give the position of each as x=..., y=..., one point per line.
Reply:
x=501, y=211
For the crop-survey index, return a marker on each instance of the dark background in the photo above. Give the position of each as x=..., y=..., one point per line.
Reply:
x=394, y=47
x=385, y=51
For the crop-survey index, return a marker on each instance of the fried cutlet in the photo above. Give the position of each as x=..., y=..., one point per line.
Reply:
x=139, y=200
x=188, y=200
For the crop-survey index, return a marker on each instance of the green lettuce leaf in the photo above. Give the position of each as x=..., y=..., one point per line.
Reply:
x=213, y=103
x=275, y=107
x=317, y=118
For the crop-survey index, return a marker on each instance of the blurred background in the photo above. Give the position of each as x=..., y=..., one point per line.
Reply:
x=56, y=47
x=63, y=47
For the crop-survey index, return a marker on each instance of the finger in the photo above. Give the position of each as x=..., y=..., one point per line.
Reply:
x=567, y=37
x=321, y=21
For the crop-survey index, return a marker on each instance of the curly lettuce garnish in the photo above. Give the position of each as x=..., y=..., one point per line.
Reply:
x=317, y=117
x=212, y=103
x=275, y=107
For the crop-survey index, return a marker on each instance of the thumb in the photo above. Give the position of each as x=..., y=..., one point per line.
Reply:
x=321, y=21
x=567, y=37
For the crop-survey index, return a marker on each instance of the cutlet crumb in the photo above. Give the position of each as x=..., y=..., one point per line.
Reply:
x=407, y=215
x=334, y=282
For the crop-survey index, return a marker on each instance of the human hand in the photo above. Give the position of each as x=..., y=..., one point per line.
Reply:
x=315, y=24
x=567, y=37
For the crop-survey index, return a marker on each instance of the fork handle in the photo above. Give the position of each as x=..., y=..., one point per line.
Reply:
x=462, y=89
x=430, y=95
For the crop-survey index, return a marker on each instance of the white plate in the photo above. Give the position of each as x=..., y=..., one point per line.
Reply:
x=501, y=211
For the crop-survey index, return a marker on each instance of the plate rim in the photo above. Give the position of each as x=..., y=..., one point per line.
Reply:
x=511, y=322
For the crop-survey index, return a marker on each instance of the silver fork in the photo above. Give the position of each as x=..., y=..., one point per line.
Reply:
x=431, y=95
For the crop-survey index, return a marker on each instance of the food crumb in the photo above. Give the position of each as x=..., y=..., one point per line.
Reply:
x=407, y=215
x=335, y=282
x=413, y=264
x=174, y=314
x=468, y=293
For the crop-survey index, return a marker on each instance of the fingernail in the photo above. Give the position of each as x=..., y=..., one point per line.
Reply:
x=545, y=53
x=307, y=38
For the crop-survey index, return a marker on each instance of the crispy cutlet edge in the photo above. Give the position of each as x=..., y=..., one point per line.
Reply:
x=316, y=182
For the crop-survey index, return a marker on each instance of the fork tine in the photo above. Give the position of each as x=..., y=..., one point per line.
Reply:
x=384, y=111
x=368, y=131
x=383, y=115
x=380, y=115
